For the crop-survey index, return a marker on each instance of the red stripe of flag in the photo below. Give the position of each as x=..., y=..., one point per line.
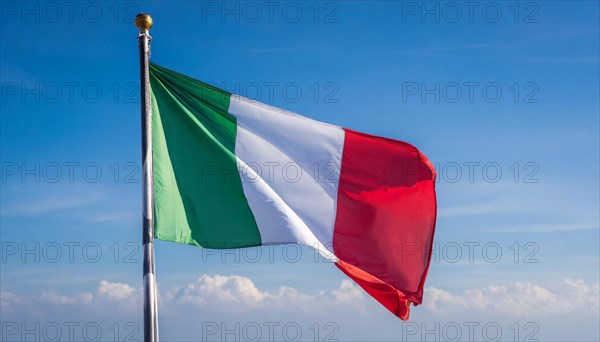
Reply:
x=385, y=219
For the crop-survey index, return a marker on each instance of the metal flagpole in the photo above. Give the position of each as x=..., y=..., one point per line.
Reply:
x=144, y=23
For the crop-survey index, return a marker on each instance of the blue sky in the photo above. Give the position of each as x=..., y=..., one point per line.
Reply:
x=504, y=99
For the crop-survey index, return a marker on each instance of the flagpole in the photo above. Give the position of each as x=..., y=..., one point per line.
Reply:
x=144, y=23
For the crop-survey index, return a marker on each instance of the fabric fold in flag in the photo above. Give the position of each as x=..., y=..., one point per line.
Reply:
x=230, y=172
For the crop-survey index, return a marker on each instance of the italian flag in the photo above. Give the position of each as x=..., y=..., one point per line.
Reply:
x=230, y=172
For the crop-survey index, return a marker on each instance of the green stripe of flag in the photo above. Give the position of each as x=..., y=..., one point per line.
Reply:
x=199, y=194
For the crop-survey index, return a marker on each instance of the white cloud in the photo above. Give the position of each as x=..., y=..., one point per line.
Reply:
x=234, y=299
x=114, y=217
x=472, y=209
x=49, y=204
x=117, y=291
x=9, y=299
x=52, y=297
x=347, y=292
x=545, y=228
x=517, y=299
x=226, y=289
x=108, y=295
x=86, y=202
x=220, y=289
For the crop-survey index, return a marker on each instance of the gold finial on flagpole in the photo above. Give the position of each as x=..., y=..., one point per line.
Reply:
x=143, y=21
